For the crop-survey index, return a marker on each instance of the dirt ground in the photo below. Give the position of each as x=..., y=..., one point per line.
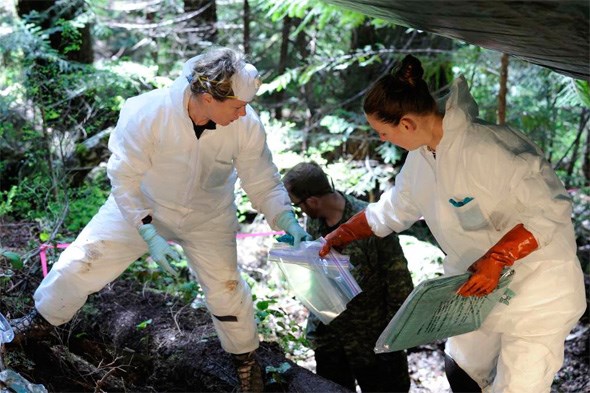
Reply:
x=129, y=337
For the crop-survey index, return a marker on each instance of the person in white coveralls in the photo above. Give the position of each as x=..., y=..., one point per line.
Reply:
x=176, y=155
x=492, y=201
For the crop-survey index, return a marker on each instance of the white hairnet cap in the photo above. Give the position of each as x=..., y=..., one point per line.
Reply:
x=245, y=83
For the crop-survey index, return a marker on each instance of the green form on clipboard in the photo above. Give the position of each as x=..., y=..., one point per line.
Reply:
x=434, y=311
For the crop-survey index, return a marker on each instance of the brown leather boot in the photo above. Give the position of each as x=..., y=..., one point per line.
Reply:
x=249, y=372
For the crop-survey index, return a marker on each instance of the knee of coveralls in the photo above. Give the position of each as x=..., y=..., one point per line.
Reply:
x=534, y=333
x=80, y=271
x=238, y=333
x=529, y=363
x=227, y=296
x=100, y=253
x=476, y=353
x=459, y=380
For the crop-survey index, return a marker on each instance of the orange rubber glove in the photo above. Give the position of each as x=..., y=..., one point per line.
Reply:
x=355, y=228
x=515, y=245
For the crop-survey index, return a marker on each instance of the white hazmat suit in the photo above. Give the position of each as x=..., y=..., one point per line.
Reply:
x=519, y=348
x=160, y=168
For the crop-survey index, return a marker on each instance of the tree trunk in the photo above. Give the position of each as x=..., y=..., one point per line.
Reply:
x=279, y=96
x=586, y=162
x=503, y=90
x=205, y=21
x=305, y=47
x=247, y=18
x=74, y=49
x=576, y=145
x=357, y=77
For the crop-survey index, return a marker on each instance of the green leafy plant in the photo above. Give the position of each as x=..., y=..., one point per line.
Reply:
x=6, y=200
x=275, y=324
x=84, y=204
x=70, y=34
x=14, y=258
x=144, y=324
x=276, y=373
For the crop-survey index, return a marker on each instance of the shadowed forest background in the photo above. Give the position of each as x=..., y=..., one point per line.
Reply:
x=66, y=67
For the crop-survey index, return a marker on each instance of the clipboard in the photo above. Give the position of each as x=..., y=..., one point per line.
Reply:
x=433, y=311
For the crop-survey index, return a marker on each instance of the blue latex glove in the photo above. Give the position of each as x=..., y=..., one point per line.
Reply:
x=288, y=223
x=160, y=250
x=286, y=238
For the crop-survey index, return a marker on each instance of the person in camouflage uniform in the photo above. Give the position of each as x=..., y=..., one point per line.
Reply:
x=344, y=348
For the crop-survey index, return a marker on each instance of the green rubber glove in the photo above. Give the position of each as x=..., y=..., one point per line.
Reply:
x=160, y=250
x=288, y=223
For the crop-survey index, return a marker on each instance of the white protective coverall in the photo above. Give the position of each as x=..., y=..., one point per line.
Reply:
x=519, y=348
x=158, y=167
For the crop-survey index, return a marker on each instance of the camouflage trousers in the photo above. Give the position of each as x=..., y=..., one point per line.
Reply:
x=388, y=372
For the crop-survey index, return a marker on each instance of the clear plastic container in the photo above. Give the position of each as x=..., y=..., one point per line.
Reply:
x=6, y=332
x=323, y=285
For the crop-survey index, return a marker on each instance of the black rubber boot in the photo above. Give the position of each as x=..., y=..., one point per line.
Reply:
x=31, y=325
x=459, y=380
x=249, y=373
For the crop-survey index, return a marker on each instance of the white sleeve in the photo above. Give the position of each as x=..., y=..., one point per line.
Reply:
x=131, y=145
x=394, y=212
x=258, y=174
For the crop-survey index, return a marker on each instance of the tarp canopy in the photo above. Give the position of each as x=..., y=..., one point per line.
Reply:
x=551, y=33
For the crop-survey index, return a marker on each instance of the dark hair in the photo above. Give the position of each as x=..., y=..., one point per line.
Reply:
x=307, y=179
x=213, y=70
x=400, y=92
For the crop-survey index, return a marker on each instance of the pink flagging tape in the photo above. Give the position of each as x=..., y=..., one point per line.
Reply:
x=43, y=254
x=45, y=246
x=273, y=233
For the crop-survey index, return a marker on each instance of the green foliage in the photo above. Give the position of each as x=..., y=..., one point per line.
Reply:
x=44, y=237
x=388, y=152
x=277, y=373
x=573, y=93
x=334, y=62
x=183, y=287
x=338, y=126
x=70, y=34
x=14, y=258
x=581, y=220
x=144, y=324
x=188, y=290
x=6, y=200
x=275, y=324
x=84, y=204
x=322, y=14
x=583, y=91
x=31, y=198
x=243, y=204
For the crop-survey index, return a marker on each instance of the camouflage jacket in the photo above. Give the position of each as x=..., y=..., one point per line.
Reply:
x=381, y=270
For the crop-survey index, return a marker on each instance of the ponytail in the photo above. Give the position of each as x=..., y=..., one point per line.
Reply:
x=400, y=92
